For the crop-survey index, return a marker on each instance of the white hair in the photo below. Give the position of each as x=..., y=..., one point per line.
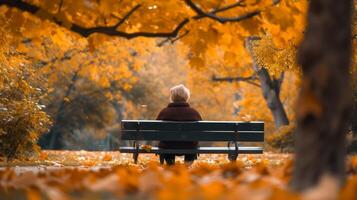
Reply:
x=179, y=93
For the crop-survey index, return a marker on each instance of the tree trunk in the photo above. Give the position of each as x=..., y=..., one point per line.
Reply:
x=354, y=115
x=325, y=99
x=53, y=140
x=119, y=107
x=271, y=90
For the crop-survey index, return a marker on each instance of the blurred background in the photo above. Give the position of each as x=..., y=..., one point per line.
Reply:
x=75, y=90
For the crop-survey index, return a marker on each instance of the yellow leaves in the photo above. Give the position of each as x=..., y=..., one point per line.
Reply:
x=274, y=58
x=107, y=7
x=43, y=155
x=181, y=179
x=285, y=22
x=230, y=58
x=231, y=170
x=283, y=138
x=213, y=190
x=349, y=192
x=23, y=121
x=107, y=157
x=279, y=16
x=122, y=179
x=146, y=147
x=250, y=27
x=60, y=38
x=226, y=39
x=129, y=178
x=33, y=194
x=108, y=183
x=96, y=40
x=197, y=62
x=89, y=163
x=210, y=36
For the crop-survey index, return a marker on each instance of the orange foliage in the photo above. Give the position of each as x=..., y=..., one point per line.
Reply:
x=258, y=176
x=22, y=119
x=115, y=70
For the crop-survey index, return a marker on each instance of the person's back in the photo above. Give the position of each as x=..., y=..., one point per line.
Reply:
x=179, y=110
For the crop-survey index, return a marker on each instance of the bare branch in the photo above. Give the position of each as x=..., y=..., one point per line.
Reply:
x=113, y=32
x=179, y=37
x=222, y=20
x=127, y=16
x=172, y=40
x=224, y=8
x=60, y=6
x=249, y=79
x=199, y=16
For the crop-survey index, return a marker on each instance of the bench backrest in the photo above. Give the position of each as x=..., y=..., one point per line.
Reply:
x=156, y=130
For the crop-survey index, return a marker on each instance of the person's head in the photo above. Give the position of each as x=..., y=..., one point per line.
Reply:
x=179, y=93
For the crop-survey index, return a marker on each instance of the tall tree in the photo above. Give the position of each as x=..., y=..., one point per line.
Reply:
x=270, y=88
x=325, y=100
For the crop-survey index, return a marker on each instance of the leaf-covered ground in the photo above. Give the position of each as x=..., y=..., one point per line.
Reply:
x=111, y=175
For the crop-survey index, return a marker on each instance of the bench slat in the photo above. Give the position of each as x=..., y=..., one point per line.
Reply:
x=211, y=150
x=192, y=126
x=243, y=136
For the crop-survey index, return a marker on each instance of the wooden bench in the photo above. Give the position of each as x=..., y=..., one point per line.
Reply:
x=231, y=132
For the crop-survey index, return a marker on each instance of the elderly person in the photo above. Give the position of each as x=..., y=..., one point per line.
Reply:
x=178, y=110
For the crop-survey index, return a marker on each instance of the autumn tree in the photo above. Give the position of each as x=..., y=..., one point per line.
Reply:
x=270, y=86
x=85, y=78
x=88, y=96
x=22, y=119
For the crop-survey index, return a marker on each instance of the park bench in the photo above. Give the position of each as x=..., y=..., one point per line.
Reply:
x=232, y=132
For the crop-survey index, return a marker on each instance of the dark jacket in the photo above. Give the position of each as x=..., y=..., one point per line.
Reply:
x=178, y=112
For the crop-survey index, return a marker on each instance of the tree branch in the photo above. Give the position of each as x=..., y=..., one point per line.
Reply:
x=60, y=6
x=224, y=8
x=127, y=16
x=277, y=82
x=86, y=32
x=112, y=30
x=211, y=15
x=200, y=16
x=172, y=40
x=249, y=79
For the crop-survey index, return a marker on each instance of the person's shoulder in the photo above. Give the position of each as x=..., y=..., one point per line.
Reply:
x=162, y=114
x=165, y=110
x=194, y=111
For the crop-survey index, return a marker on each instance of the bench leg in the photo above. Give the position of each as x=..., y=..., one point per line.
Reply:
x=162, y=159
x=170, y=159
x=232, y=157
x=135, y=157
